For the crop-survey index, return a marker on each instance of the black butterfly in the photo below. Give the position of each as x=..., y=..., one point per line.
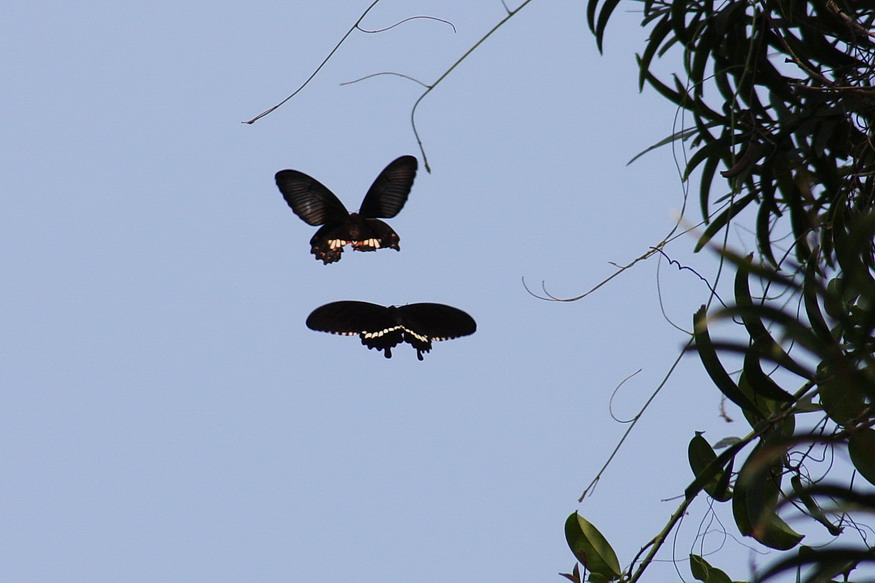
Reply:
x=317, y=205
x=384, y=328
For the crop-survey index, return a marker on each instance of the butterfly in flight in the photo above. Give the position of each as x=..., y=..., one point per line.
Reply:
x=364, y=230
x=384, y=328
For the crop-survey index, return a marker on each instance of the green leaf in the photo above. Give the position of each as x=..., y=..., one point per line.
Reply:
x=703, y=462
x=657, y=34
x=723, y=219
x=755, y=498
x=591, y=548
x=704, y=572
x=574, y=575
x=842, y=401
x=861, y=447
x=598, y=27
x=752, y=316
x=811, y=290
x=764, y=231
x=726, y=442
x=681, y=135
x=712, y=363
x=760, y=383
x=814, y=509
x=716, y=149
x=826, y=563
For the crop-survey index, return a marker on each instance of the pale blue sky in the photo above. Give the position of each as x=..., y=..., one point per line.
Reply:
x=165, y=415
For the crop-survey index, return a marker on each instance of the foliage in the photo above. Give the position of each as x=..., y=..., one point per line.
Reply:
x=780, y=95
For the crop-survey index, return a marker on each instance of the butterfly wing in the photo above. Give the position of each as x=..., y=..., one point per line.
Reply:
x=437, y=321
x=375, y=325
x=384, y=328
x=310, y=199
x=348, y=317
x=389, y=192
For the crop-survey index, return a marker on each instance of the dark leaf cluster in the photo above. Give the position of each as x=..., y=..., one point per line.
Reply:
x=779, y=99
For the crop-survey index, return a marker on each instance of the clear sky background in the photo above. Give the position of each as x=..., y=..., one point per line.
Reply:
x=165, y=415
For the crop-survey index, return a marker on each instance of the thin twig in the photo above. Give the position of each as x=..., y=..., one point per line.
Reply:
x=614, y=394
x=319, y=68
x=355, y=26
x=510, y=15
x=850, y=21
x=680, y=267
x=408, y=77
x=620, y=268
x=634, y=421
x=453, y=26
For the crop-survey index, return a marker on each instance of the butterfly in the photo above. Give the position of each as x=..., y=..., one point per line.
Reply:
x=364, y=230
x=384, y=328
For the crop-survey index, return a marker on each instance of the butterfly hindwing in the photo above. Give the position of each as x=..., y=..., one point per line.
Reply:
x=383, y=328
x=389, y=192
x=310, y=199
x=437, y=321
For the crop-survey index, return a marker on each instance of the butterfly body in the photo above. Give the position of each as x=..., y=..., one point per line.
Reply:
x=383, y=328
x=360, y=233
x=363, y=231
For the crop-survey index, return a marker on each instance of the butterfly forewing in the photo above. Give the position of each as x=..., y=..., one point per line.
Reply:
x=309, y=198
x=389, y=192
x=348, y=317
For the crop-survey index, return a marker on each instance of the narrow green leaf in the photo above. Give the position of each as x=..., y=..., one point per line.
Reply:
x=678, y=19
x=591, y=548
x=591, y=8
x=760, y=383
x=702, y=52
x=717, y=149
x=705, y=181
x=602, y=24
x=712, y=364
x=812, y=506
x=763, y=341
x=799, y=219
x=827, y=563
x=657, y=34
x=811, y=289
x=681, y=135
x=764, y=231
x=723, y=219
x=678, y=98
x=766, y=406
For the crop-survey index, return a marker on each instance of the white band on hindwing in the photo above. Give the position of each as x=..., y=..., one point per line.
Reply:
x=334, y=244
x=381, y=333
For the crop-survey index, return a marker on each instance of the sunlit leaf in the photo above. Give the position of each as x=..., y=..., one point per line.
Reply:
x=703, y=571
x=591, y=548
